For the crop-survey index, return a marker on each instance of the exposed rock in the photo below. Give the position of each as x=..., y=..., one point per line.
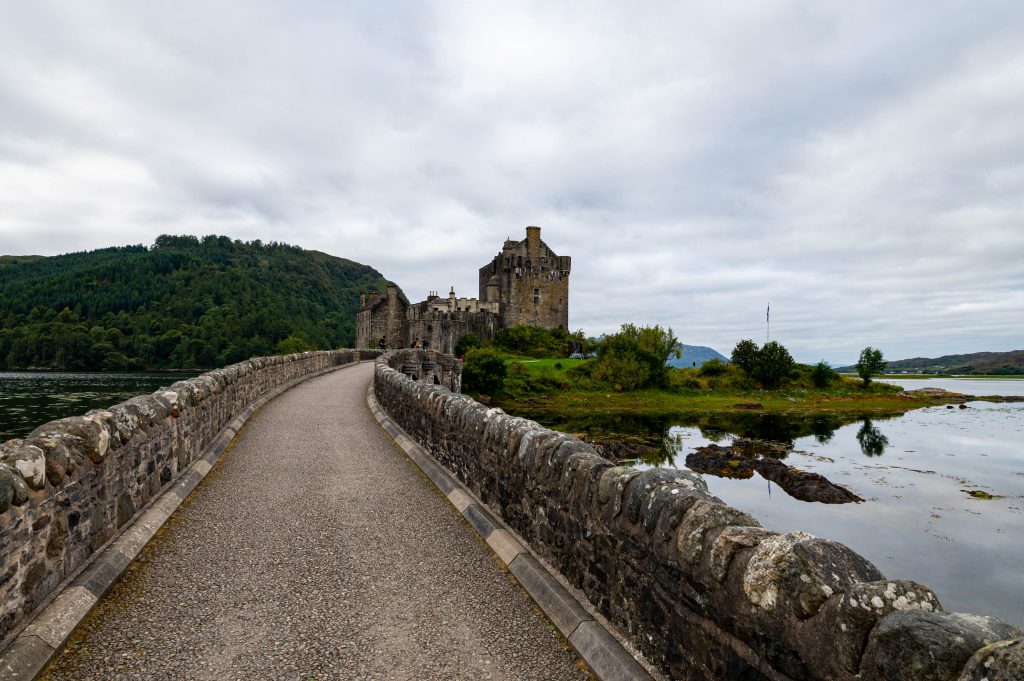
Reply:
x=734, y=462
x=804, y=485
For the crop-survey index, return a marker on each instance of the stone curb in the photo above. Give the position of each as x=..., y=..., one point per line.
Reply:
x=34, y=648
x=596, y=646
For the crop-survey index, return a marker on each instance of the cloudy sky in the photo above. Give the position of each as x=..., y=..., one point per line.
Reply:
x=860, y=166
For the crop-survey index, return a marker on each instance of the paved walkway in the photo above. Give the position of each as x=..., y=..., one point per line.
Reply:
x=313, y=550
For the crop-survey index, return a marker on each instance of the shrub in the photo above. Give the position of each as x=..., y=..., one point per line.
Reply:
x=822, y=374
x=484, y=371
x=466, y=343
x=712, y=367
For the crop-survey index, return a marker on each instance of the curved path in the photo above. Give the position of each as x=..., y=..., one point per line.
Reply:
x=314, y=551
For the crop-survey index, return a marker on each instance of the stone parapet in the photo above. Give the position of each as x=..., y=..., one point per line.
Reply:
x=73, y=484
x=701, y=588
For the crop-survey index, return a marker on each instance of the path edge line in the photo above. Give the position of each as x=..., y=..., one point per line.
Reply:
x=590, y=638
x=48, y=630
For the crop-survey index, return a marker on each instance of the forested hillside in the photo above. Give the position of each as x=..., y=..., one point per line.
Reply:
x=184, y=303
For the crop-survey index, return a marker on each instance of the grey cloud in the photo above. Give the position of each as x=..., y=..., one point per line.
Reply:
x=859, y=166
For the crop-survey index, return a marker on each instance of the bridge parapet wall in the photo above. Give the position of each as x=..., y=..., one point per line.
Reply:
x=429, y=366
x=700, y=587
x=74, y=483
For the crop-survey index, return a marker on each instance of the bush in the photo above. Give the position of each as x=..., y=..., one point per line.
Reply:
x=484, y=371
x=466, y=343
x=623, y=364
x=712, y=367
x=822, y=375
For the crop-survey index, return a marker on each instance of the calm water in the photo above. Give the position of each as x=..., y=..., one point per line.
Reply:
x=29, y=399
x=916, y=521
x=967, y=386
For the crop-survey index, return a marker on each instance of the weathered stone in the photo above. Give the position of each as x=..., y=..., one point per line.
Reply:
x=729, y=541
x=916, y=645
x=839, y=632
x=704, y=516
x=20, y=489
x=801, y=572
x=1002, y=661
x=642, y=485
x=84, y=433
x=28, y=460
x=6, y=489
x=57, y=456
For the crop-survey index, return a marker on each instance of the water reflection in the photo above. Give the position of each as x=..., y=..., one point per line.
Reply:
x=871, y=440
x=655, y=440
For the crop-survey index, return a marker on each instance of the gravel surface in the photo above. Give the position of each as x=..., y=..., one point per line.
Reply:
x=314, y=550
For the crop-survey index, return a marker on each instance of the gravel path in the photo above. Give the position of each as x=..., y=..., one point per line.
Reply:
x=313, y=550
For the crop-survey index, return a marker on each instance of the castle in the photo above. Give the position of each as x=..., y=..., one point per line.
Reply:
x=526, y=283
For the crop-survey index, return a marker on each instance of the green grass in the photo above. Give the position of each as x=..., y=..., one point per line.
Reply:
x=546, y=386
x=535, y=366
x=662, y=402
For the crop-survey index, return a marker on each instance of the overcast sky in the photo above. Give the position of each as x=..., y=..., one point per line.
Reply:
x=860, y=166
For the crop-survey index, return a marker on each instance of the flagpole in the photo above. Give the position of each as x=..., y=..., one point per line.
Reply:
x=768, y=323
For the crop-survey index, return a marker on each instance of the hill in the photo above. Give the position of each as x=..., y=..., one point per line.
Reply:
x=696, y=354
x=184, y=303
x=976, y=363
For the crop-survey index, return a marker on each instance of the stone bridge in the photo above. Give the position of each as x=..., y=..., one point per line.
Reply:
x=320, y=516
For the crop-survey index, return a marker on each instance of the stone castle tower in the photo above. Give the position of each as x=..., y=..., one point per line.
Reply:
x=529, y=282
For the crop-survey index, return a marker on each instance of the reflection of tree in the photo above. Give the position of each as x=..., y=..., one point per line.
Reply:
x=871, y=440
x=822, y=430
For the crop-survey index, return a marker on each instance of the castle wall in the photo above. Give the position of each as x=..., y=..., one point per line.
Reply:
x=533, y=283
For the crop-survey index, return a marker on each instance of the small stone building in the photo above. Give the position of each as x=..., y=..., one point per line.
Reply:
x=526, y=283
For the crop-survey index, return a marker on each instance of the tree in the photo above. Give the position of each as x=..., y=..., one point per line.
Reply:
x=744, y=355
x=822, y=374
x=871, y=363
x=773, y=364
x=484, y=371
x=635, y=358
x=466, y=343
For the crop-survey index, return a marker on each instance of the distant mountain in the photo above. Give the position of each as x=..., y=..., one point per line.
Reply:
x=975, y=363
x=183, y=303
x=696, y=354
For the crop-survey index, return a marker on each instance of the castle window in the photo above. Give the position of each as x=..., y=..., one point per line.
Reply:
x=536, y=296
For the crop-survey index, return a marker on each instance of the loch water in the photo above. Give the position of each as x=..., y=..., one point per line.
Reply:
x=915, y=472
x=31, y=398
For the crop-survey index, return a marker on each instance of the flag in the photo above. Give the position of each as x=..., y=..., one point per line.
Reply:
x=768, y=312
